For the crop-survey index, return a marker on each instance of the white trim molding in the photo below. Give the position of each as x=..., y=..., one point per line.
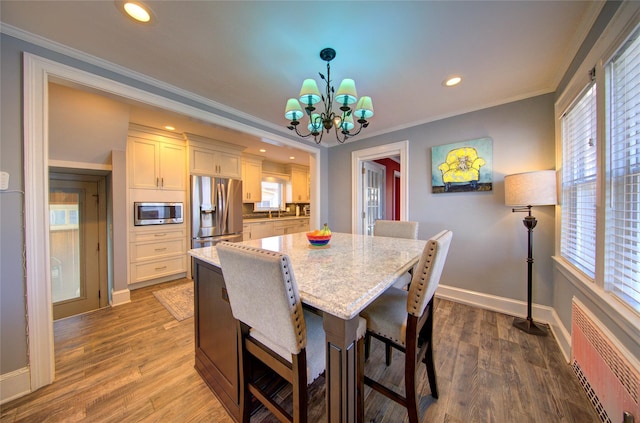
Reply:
x=14, y=385
x=120, y=297
x=400, y=148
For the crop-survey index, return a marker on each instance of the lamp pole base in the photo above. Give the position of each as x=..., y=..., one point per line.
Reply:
x=529, y=326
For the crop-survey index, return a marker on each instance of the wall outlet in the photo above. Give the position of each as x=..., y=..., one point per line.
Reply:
x=4, y=180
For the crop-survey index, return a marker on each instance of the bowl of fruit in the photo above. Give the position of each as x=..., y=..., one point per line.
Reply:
x=319, y=237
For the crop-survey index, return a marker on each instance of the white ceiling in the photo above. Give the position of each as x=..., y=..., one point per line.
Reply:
x=250, y=56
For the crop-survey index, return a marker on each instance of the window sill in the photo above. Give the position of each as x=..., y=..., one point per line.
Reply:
x=627, y=319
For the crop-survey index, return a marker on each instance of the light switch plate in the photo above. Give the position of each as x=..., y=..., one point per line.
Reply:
x=4, y=180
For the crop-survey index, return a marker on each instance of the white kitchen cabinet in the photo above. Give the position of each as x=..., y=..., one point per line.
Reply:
x=156, y=162
x=266, y=228
x=157, y=252
x=210, y=157
x=300, y=192
x=251, y=180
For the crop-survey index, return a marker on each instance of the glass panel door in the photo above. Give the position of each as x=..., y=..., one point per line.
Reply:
x=374, y=186
x=74, y=246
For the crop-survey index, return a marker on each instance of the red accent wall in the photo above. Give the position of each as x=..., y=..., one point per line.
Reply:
x=390, y=201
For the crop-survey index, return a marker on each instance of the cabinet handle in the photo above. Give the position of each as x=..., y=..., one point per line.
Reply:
x=157, y=182
x=164, y=234
x=161, y=268
x=161, y=249
x=162, y=182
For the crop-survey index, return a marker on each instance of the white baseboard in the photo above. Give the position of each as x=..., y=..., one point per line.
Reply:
x=540, y=313
x=15, y=385
x=120, y=297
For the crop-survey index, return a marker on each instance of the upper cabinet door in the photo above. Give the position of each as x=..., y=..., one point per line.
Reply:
x=202, y=162
x=251, y=181
x=156, y=164
x=210, y=157
x=229, y=165
x=172, y=166
x=144, y=163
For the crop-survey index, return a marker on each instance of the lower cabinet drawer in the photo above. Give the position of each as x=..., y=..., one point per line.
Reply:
x=143, y=251
x=157, y=268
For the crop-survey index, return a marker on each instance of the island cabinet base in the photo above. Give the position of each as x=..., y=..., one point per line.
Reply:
x=216, y=337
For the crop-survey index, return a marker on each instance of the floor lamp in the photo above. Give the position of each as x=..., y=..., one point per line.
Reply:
x=525, y=190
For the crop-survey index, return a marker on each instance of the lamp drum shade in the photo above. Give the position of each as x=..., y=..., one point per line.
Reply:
x=309, y=93
x=364, y=108
x=347, y=93
x=530, y=188
x=293, y=111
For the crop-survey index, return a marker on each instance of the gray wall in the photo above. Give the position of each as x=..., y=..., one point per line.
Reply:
x=489, y=246
x=13, y=341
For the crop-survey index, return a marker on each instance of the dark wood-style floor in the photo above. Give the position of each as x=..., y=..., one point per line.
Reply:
x=134, y=363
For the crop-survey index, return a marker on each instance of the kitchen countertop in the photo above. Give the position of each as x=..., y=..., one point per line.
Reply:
x=343, y=277
x=266, y=219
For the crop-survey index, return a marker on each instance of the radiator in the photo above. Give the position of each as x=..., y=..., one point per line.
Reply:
x=603, y=367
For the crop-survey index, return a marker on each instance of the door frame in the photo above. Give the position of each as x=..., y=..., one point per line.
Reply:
x=400, y=148
x=103, y=202
x=37, y=72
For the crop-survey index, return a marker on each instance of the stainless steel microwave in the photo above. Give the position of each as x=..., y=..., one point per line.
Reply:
x=157, y=213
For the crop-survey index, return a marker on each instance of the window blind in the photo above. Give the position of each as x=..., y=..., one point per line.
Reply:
x=622, y=250
x=579, y=168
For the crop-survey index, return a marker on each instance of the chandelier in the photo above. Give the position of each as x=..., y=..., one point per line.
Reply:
x=341, y=121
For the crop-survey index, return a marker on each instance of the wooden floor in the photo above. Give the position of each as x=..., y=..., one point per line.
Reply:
x=134, y=363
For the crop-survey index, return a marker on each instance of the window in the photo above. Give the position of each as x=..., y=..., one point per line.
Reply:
x=622, y=246
x=601, y=177
x=273, y=194
x=579, y=153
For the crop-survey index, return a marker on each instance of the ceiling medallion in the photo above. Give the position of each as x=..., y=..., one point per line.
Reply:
x=341, y=121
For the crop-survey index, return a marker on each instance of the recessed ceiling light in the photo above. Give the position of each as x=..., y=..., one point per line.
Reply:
x=262, y=150
x=292, y=157
x=170, y=128
x=137, y=11
x=453, y=81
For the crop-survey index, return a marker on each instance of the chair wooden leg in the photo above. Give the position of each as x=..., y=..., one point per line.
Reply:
x=427, y=333
x=367, y=345
x=245, y=374
x=299, y=386
x=431, y=371
x=387, y=353
x=412, y=361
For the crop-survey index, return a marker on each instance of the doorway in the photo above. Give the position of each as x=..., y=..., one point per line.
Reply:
x=77, y=211
x=374, y=187
x=400, y=149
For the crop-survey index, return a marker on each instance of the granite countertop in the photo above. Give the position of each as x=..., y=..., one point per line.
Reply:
x=343, y=277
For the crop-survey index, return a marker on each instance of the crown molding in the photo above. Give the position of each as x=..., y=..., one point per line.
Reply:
x=137, y=76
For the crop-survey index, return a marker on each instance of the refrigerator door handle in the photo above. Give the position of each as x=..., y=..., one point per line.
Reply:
x=223, y=207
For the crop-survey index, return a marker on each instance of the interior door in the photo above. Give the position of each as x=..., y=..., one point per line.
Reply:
x=373, y=194
x=74, y=246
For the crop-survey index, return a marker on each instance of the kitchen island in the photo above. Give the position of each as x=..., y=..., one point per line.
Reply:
x=338, y=280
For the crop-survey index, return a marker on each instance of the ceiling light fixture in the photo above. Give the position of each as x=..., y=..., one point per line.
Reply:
x=341, y=121
x=137, y=11
x=453, y=81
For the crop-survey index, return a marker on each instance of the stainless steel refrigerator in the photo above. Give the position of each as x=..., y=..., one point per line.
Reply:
x=216, y=210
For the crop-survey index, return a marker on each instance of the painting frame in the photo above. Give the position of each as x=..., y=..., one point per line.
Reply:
x=464, y=166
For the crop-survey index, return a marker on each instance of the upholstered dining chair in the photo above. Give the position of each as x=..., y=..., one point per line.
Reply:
x=397, y=229
x=404, y=320
x=274, y=328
